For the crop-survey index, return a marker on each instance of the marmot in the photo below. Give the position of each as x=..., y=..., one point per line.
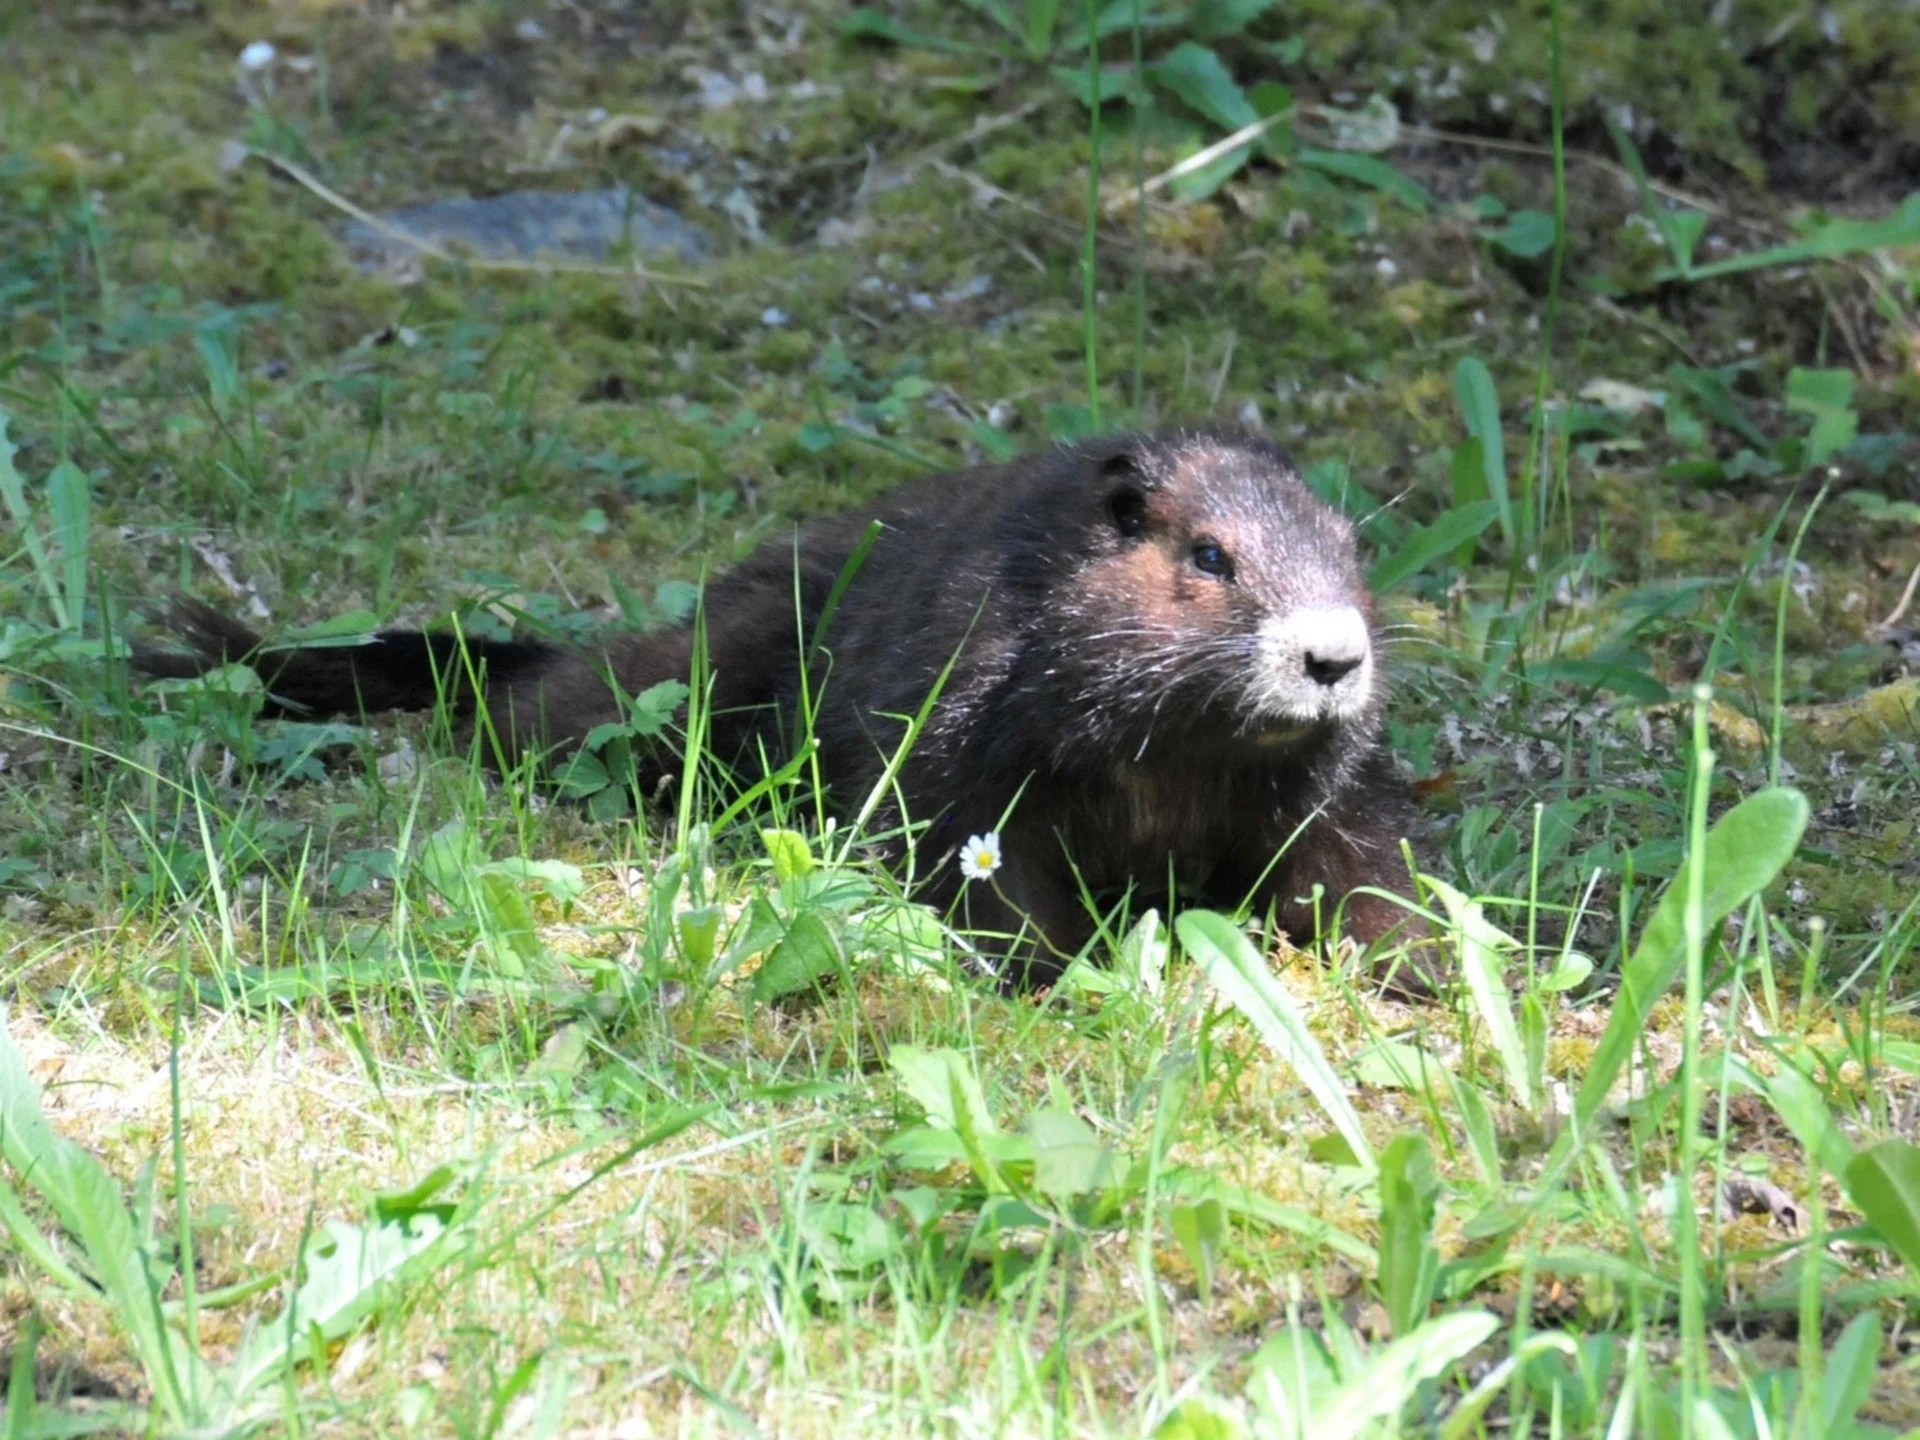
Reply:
x=1163, y=665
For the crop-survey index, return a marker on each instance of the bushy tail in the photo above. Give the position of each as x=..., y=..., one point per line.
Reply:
x=396, y=670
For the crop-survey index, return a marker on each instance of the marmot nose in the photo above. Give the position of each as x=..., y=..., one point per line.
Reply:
x=1313, y=661
x=1330, y=665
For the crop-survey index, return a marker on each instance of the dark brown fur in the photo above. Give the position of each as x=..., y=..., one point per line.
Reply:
x=1097, y=667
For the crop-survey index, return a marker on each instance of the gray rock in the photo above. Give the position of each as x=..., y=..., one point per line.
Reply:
x=529, y=224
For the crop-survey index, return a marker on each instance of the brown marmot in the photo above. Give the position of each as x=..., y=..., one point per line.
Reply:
x=1163, y=665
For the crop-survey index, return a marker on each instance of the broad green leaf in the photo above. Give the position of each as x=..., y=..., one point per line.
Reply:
x=1240, y=974
x=562, y=882
x=1833, y=431
x=1468, y=465
x=1713, y=391
x=1465, y=1420
x=806, y=955
x=1200, y=1230
x=655, y=707
x=1826, y=395
x=1527, y=234
x=942, y=1083
x=1141, y=965
x=13, y=492
x=1251, y=1206
x=1853, y=1369
x=1477, y=1121
x=1370, y=171
x=583, y=773
x=508, y=918
x=36, y=1246
x=419, y=1198
x=1040, y=20
x=1113, y=82
x=1479, y=401
x=789, y=852
x=1292, y=1374
x=1745, y=850
x=926, y=1147
x=698, y=929
x=846, y=1236
x=1219, y=19
x=1200, y=1418
x=1068, y=1158
x=351, y=1271
x=336, y=632
x=1202, y=82
x=444, y=859
x=1797, y=1100
x=1427, y=543
x=1883, y=1181
x=1902, y=1055
x=998, y=11
x=1624, y=676
x=1812, y=391
x=1394, y=1375
x=1409, y=1264
x=89, y=1206
x=67, y=497
x=222, y=365
x=870, y=24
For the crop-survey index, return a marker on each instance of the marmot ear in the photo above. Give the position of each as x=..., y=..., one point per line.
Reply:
x=1127, y=485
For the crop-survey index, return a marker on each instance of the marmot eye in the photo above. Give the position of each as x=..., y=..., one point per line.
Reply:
x=1210, y=559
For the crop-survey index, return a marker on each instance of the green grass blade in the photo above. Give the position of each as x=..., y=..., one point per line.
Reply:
x=1240, y=974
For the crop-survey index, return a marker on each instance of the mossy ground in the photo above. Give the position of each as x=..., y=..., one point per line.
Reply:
x=267, y=425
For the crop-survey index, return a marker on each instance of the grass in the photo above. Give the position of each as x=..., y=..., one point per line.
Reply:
x=343, y=1088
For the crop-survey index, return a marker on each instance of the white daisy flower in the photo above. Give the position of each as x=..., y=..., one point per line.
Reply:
x=980, y=856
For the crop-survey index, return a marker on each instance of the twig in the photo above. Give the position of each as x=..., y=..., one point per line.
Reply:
x=313, y=183
x=1199, y=158
x=1906, y=599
